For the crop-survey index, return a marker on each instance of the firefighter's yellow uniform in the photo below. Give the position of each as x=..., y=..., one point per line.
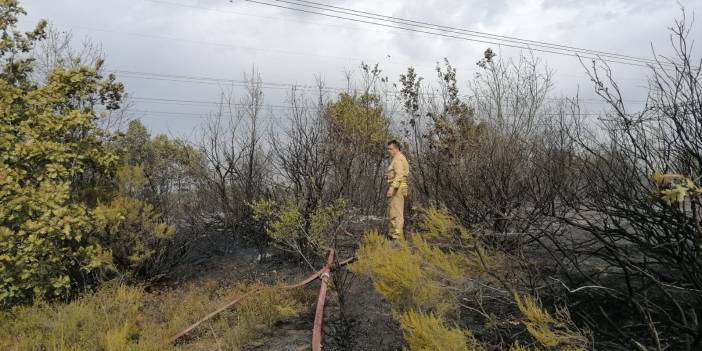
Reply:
x=397, y=176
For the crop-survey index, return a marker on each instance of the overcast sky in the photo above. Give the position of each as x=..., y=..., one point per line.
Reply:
x=225, y=39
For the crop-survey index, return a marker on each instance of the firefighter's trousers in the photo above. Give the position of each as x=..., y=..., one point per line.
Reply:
x=396, y=211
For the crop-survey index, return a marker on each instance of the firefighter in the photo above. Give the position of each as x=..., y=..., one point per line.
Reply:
x=396, y=176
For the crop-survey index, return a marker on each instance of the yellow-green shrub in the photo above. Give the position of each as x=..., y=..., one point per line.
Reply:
x=674, y=188
x=437, y=225
x=398, y=274
x=122, y=318
x=106, y=320
x=431, y=276
x=549, y=331
x=413, y=274
x=426, y=332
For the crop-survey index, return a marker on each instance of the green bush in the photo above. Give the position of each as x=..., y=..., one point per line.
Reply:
x=69, y=210
x=48, y=144
x=130, y=228
x=307, y=234
x=359, y=121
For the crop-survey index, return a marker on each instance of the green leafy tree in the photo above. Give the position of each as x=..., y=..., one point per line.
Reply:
x=171, y=168
x=359, y=120
x=359, y=130
x=131, y=228
x=51, y=156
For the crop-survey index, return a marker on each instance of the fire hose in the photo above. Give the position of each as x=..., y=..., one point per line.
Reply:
x=319, y=313
x=324, y=273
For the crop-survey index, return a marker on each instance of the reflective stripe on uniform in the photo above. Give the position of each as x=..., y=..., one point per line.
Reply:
x=399, y=183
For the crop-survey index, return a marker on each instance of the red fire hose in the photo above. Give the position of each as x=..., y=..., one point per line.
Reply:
x=319, y=313
x=317, y=330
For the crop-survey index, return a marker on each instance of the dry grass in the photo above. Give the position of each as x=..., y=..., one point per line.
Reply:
x=121, y=318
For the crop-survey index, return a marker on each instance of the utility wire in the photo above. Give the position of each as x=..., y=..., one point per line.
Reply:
x=201, y=42
x=427, y=25
x=230, y=46
x=224, y=103
x=276, y=85
x=176, y=4
x=176, y=114
x=220, y=81
x=169, y=3
x=180, y=102
x=284, y=52
x=220, y=104
x=524, y=46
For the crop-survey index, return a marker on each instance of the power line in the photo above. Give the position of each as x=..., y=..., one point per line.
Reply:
x=175, y=4
x=525, y=46
x=221, y=104
x=201, y=42
x=169, y=3
x=284, y=52
x=170, y=113
x=176, y=114
x=243, y=83
x=241, y=47
x=421, y=24
x=192, y=115
x=178, y=101
x=277, y=85
x=226, y=103
x=169, y=101
x=220, y=81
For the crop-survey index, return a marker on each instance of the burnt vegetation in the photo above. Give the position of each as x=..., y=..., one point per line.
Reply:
x=534, y=225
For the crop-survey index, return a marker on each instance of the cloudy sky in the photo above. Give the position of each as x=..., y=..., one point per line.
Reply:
x=224, y=39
